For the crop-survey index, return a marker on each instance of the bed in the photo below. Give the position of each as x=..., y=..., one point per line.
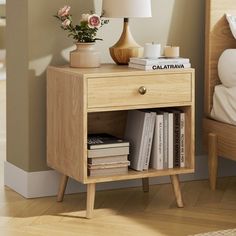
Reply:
x=219, y=137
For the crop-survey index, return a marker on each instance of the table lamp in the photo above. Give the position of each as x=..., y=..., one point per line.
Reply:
x=126, y=47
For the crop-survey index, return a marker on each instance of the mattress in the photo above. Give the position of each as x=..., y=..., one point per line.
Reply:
x=224, y=104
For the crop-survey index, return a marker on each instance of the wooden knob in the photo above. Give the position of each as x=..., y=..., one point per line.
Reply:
x=142, y=90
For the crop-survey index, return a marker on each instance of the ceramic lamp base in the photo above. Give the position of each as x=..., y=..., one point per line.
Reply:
x=126, y=47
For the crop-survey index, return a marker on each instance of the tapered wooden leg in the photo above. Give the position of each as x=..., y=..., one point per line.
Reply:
x=145, y=182
x=62, y=188
x=177, y=190
x=212, y=160
x=91, y=188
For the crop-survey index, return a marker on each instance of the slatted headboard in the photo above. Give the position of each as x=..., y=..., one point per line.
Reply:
x=217, y=38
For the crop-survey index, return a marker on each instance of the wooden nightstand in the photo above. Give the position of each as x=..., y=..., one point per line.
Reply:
x=82, y=101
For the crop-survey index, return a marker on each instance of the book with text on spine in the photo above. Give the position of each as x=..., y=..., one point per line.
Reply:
x=159, y=61
x=160, y=66
x=98, y=141
x=156, y=161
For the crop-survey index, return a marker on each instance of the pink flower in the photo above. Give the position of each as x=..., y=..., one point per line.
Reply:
x=66, y=23
x=94, y=21
x=64, y=11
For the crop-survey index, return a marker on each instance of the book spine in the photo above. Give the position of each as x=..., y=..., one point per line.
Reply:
x=150, y=139
x=177, y=140
x=182, y=139
x=165, y=140
x=160, y=143
x=143, y=149
x=170, y=141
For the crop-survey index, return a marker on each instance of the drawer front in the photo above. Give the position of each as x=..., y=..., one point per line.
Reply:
x=124, y=91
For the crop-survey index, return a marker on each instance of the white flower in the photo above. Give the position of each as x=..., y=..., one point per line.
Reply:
x=85, y=17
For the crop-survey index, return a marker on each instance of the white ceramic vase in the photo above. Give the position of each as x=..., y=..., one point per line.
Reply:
x=85, y=56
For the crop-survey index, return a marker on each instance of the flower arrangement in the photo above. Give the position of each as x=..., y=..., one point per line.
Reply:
x=86, y=30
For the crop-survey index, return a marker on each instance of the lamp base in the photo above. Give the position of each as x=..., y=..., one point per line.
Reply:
x=126, y=47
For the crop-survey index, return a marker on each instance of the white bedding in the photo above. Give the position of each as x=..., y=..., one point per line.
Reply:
x=224, y=104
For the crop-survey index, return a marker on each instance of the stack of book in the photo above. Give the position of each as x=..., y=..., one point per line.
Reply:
x=107, y=155
x=159, y=63
x=168, y=150
x=157, y=138
x=139, y=132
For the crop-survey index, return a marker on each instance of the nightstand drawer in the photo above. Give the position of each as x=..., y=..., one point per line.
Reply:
x=127, y=91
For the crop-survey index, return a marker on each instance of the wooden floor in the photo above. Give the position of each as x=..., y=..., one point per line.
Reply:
x=123, y=212
x=118, y=212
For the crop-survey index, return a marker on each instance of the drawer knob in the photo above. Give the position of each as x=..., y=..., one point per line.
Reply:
x=142, y=90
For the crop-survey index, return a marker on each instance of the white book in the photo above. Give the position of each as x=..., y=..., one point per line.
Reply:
x=165, y=140
x=157, y=147
x=170, y=140
x=146, y=61
x=148, y=147
x=163, y=66
x=182, y=139
x=144, y=144
x=135, y=134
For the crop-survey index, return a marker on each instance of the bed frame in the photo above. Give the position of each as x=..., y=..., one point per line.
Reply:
x=220, y=138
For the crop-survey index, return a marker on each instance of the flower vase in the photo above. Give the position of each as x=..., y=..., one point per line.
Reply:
x=85, y=56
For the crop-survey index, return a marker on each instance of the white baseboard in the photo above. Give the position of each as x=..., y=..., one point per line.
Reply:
x=45, y=183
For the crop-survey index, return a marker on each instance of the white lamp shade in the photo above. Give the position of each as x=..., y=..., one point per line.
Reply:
x=127, y=8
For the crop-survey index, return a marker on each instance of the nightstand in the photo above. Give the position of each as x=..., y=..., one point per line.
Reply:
x=83, y=101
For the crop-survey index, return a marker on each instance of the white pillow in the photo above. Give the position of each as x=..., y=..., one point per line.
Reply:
x=232, y=23
x=227, y=68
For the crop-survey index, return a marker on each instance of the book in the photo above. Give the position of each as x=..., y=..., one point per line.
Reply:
x=108, y=170
x=176, y=140
x=160, y=60
x=170, y=140
x=156, y=161
x=106, y=152
x=107, y=159
x=103, y=140
x=163, y=66
x=135, y=133
x=149, y=137
x=165, y=139
x=182, y=139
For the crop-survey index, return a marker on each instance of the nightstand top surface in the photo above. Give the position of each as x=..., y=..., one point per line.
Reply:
x=113, y=69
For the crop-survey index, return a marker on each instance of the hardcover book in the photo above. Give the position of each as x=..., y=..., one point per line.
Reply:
x=136, y=133
x=107, y=159
x=98, y=141
x=108, y=169
x=160, y=60
x=162, y=66
x=157, y=147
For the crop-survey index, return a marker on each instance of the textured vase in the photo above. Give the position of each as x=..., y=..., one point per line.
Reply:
x=85, y=56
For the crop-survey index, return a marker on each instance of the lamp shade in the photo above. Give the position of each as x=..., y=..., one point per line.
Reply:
x=127, y=8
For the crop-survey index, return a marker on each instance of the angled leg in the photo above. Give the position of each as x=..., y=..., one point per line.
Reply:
x=91, y=189
x=62, y=188
x=177, y=190
x=145, y=182
x=212, y=160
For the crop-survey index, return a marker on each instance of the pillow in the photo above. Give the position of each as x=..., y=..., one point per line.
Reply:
x=232, y=23
x=227, y=68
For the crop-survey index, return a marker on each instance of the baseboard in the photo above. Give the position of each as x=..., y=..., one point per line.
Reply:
x=45, y=183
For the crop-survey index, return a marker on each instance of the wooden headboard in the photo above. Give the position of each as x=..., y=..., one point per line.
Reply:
x=218, y=37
